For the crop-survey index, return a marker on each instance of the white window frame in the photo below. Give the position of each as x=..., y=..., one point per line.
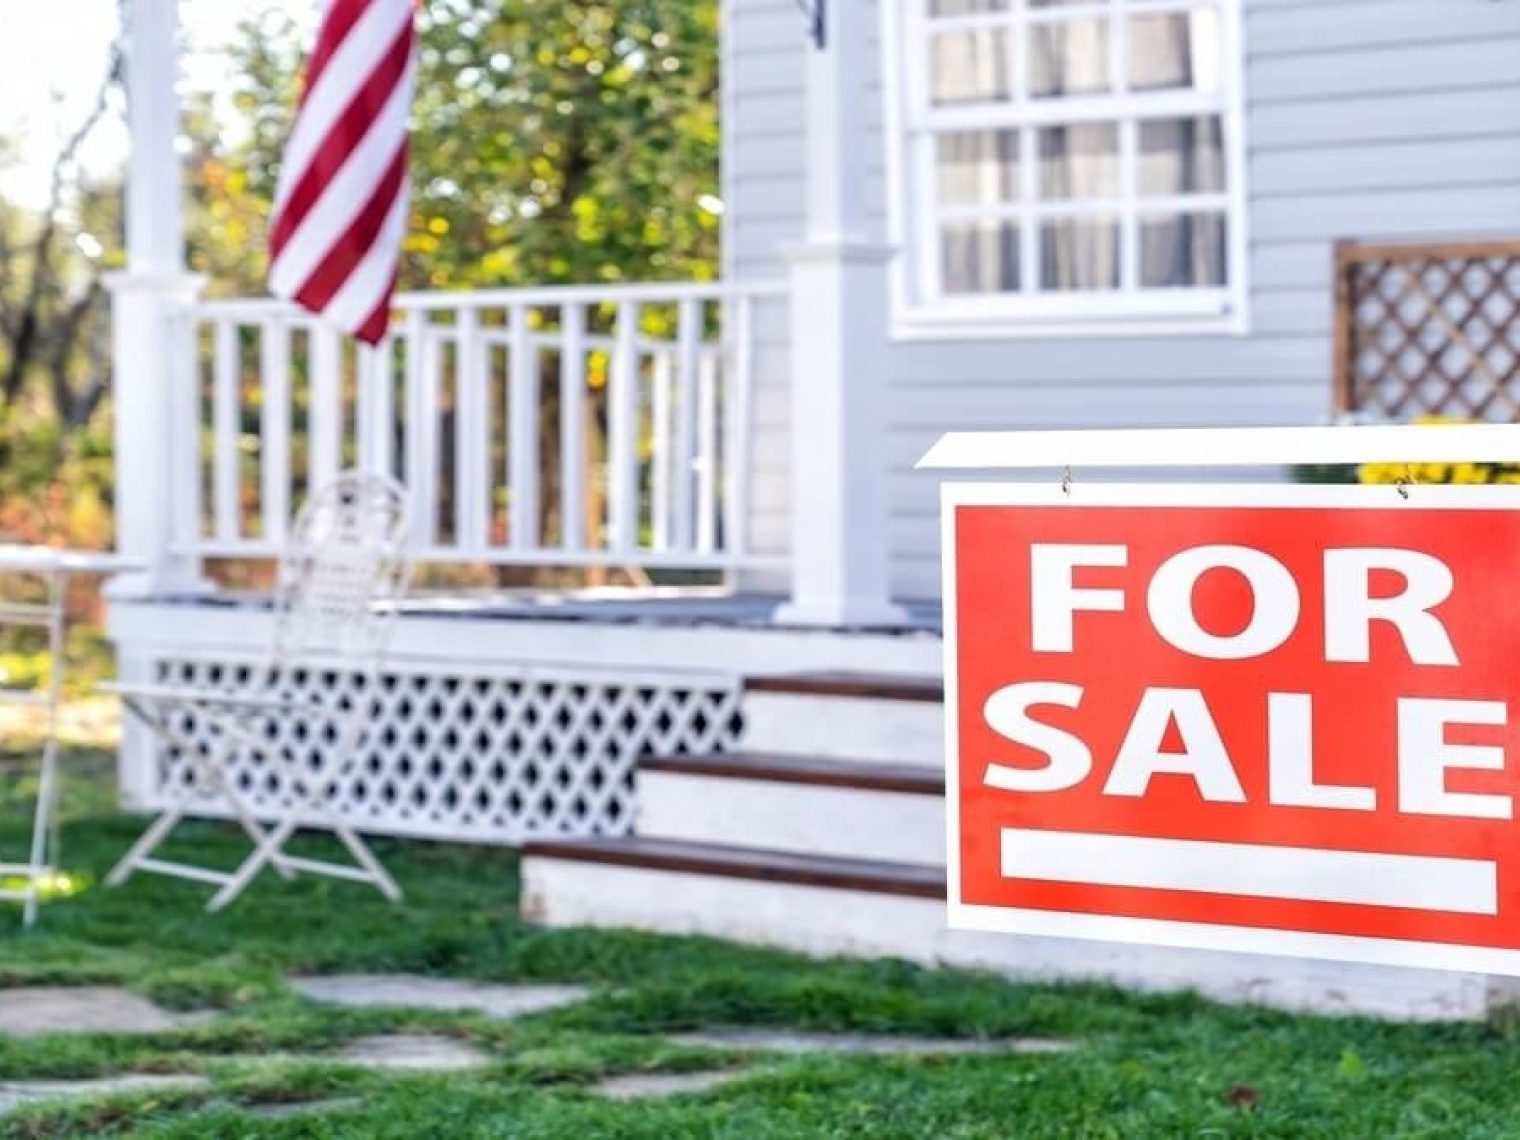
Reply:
x=919, y=313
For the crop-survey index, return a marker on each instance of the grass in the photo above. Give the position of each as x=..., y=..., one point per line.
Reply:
x=1156, y=1066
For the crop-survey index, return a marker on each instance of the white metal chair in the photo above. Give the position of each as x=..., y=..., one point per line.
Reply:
x=344, y=568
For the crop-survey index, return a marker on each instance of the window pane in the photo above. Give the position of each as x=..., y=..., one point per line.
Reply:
x=978, y=168
x=965, y=7
x=1079, y=162
x=1180, y=250
x=1068, y=58
x=1174, y=50
x=979, y=257
x=969, y=67
x=1182, y=156
x=1079, y=253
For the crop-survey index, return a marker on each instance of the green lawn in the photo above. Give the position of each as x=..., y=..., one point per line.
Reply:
x=1157, y=1066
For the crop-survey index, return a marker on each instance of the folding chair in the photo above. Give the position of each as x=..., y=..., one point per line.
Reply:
x=342, y=572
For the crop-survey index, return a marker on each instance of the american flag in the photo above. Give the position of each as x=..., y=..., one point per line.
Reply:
x=340, y=207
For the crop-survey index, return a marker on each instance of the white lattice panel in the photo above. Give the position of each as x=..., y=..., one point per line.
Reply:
x=496, y=759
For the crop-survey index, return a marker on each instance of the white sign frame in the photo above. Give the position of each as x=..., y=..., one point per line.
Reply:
x=1172, y=933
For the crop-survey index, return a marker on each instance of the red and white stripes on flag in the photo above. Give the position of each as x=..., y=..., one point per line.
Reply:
x=341, y=204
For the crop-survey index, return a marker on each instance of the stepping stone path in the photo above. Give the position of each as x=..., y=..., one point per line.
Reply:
x=413, y=1051
x=33, y=1011
x=864, y=1043
x=637, y=1086
x=13, y=1094
x=417, y=992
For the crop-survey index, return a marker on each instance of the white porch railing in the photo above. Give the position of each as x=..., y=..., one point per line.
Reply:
x=595, y=425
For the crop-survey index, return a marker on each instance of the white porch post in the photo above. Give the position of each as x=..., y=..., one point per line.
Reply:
x=839, y=347
x=142, y=300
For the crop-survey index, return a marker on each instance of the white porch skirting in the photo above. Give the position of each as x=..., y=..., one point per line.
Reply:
x=493, y=722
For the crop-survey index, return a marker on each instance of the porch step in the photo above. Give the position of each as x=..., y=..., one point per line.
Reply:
x=807, y=805
x=720, y=860
x=874, y=909
x=843, y=683
x=847, y=716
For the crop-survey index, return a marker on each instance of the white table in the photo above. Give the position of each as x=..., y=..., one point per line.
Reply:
x=55, y=568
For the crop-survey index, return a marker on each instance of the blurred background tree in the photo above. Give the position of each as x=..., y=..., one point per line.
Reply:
x=553, y=141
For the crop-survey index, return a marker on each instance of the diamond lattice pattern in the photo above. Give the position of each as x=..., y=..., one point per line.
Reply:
x=496, y=759
x=1435, y=335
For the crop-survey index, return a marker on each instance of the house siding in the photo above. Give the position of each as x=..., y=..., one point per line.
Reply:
x=1369, y=119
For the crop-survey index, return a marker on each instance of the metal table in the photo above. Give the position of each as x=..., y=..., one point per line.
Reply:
x=55, y=568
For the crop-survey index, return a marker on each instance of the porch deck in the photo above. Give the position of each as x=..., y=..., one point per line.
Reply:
x=667, y=608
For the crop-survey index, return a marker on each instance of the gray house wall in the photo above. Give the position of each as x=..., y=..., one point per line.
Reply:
x=1370, y=119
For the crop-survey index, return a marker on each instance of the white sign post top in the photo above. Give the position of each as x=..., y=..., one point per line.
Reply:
x=1225, y=447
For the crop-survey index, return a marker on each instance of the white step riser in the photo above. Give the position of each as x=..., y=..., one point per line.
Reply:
x=845, y=728
x=828, y=922
x=854, y=823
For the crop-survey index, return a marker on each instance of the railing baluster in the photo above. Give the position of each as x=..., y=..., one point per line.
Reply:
x=422, y=357
x=274, y=428
x=660, y=451
x=376, y=411
x=522, y=444
x=226, y=383
x=572, y=426
x=185, y=496
x=739, y=427
x=707, y=452
x=472, y=426
x=622, y=447
x=688, y=350
x=324, y=410
x=383, y=384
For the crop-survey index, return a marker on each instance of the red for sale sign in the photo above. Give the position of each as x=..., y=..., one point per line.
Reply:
x=1275, y=719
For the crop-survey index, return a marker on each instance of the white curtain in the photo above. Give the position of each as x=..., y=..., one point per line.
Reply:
x=1079, y=162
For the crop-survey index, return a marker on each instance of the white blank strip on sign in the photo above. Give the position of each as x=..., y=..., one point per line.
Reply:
x=1365, y=878
x=1225, y=447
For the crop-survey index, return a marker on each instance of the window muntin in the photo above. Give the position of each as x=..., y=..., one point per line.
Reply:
x=1071, y=150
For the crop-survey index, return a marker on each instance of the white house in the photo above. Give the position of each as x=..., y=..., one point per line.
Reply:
x=941, y=214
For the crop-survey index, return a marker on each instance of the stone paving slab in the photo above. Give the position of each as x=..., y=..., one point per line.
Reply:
x=34, y=1010
x=774, y=1041
x=419, y=1052
x=419, y=992
x=638, y=1086
x=13, y=1094
x=284, y=1110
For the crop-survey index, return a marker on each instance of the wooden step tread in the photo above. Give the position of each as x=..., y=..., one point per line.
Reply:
x=878, y=686
x=823, y=771
x=748, y=863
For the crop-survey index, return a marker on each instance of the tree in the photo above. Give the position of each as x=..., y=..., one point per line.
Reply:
x=55, y=467
x=52, y=302
x=552, y=140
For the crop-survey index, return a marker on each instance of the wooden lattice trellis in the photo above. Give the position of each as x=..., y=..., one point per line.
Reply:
x=1428, y=329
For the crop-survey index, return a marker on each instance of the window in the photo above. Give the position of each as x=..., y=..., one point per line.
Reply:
x=1061, y=165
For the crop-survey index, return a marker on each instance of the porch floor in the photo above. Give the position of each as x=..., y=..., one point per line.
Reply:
x=680, y=608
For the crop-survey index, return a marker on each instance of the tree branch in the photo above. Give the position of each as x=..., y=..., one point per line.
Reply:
x=27, y=333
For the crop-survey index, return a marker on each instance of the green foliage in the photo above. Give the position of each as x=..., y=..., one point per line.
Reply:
x=553, y=141
x=565, y=141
